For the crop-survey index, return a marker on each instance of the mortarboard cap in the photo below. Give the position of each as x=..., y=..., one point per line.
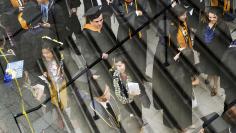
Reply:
x=50, y=43
x=179, y=10
x=93, y=13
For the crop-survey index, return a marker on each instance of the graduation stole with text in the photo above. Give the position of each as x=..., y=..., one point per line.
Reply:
x=127, y=11
x=183, y=37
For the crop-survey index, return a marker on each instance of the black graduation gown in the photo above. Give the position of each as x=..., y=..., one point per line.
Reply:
x=92, y=45
x=177, y=100
x=135, y=48
x=217, y=47
x=168, y=94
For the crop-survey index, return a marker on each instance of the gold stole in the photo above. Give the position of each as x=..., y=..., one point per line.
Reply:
x=183, y=37
x=127, y=11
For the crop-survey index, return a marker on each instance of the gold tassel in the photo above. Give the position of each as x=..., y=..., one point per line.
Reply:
x=140, y=34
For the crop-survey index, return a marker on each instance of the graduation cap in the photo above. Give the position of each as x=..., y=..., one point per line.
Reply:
x=31, y=12
x=179, y=10
x=93, y=13
x=50, y=43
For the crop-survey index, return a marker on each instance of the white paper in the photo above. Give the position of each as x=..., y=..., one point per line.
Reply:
x=38, y=91
x=133, y=88
x=17, y=67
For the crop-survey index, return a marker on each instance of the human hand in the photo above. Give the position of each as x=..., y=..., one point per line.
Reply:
x=139, y=13
x=96, y=76
x=104, y=56
x=45, y=25
x=73, y=10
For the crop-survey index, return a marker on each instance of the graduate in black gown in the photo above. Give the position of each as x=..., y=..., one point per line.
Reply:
x=96, y=39
x=105, y=104
x=172, y=73
x=130, y=15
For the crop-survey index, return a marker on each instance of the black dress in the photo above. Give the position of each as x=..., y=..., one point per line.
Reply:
x=212, y=52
